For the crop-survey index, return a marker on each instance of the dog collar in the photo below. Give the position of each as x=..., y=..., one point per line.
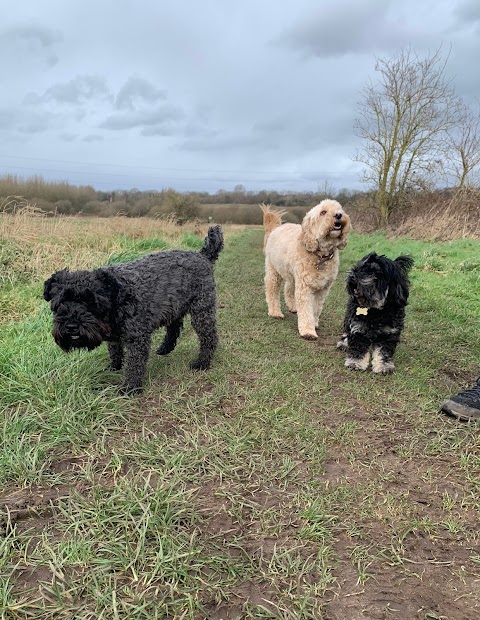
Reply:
x=324, y=257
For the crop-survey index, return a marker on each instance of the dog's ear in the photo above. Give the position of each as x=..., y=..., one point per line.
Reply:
x=401, y=291
x=109, y=284
x=116, y=288
x=48, y=285
x=308, y=236
x=368, y=258
x=405, y=262
x=47, y=288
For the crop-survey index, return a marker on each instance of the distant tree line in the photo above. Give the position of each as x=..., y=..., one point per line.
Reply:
x=225, y=205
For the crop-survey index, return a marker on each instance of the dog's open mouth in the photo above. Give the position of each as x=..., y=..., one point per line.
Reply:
x=336, y=229
x=74, y=337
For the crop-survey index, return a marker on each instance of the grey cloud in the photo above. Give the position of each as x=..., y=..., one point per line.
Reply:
x=159, y=130
x=203, y=113
x=308, y=135
x=344, y=27
x=93, y=137
x=35, y=38
x=274, y=126
x=193, y=129
x=468, y=12
x=7, y=118
x=26, y=123
x=199, y=127
x=137, y=88
x=79, y=114
x=32, y=99
x=77, y=91
x=68, y=137
x=46, y=37
x=281, y=137
x=148, y=118
x=221, y=142
x=34, y=124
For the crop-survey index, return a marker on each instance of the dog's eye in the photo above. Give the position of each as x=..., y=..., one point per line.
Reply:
x=322, y=212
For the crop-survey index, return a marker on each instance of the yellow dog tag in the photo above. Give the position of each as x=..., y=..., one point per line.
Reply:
x=362, y=311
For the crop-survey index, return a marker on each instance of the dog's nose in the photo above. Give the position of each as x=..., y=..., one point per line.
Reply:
x=338, y=216
x=70, y=328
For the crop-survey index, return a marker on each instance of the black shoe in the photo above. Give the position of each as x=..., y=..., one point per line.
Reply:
x=465, y=405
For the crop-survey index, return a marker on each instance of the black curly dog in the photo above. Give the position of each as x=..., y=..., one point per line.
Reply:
x=123, y=304
x=378, y=289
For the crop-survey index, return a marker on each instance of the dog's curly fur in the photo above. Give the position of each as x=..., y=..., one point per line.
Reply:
x=306, y=258
x=123, y=304
x=378, y=290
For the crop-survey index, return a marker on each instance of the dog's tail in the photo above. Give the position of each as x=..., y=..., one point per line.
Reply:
x=213, y=243
x=272, y=218
x=405, y=262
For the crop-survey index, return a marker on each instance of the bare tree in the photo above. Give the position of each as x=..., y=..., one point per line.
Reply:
x=462, y=146
x=402, y=119
x=326, y=189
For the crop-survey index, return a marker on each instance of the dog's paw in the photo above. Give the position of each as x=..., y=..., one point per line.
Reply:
x=200, y=365
x=381, y=365
x=357, y=364
x=128, y=390
x=164, y=350
x=114, y=367
x=276, y=315
x=309, y=336
x=292, y=311
x=342, y=344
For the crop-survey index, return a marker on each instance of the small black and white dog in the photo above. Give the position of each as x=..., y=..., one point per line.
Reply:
x=124, y=304
x=378, y=289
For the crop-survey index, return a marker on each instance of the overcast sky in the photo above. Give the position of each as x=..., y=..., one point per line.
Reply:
x=205, y=94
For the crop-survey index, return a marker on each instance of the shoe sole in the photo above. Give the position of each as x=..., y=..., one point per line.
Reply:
x=461, y=412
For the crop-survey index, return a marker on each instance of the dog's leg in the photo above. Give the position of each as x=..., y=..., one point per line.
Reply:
x=305, y=302
x=204, y=323
x=289, y=292
x=115, y=349
x=342, y=344
x=137, y=356
x=171, y=337
x=273, y=282
x=318, y=302
x=382, y=357
x=358, y=352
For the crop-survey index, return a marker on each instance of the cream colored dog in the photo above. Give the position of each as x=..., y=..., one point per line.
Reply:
x=306, y=258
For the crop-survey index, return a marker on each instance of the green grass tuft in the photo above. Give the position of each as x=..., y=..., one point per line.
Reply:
x=194, y=242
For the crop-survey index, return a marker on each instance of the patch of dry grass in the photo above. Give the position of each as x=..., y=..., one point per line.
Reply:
x=42, y=244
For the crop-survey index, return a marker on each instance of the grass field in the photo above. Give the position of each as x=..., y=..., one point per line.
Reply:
x=277, y=485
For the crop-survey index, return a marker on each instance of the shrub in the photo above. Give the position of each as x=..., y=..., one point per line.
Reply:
x=184, y=206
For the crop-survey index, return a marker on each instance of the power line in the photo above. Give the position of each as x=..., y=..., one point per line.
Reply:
x=83, y=163
x=164, y=179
